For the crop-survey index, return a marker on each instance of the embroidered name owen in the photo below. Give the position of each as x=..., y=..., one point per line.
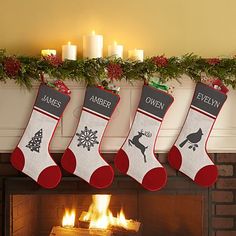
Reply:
x=51, y=101
x=206, y=99
x=100, y=101
x=155, y=103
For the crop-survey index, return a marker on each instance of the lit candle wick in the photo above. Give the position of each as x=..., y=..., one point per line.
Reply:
x=69, y=43
x=93, y=32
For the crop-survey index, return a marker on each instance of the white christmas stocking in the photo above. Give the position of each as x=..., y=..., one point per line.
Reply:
x=31, y=156
x=136, y=157
x=188, y=154
x=83, y=157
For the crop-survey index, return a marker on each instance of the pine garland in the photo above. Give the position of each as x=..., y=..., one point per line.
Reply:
x=24, y=70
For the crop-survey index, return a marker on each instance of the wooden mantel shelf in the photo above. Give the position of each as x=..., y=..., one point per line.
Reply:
x=16, y=105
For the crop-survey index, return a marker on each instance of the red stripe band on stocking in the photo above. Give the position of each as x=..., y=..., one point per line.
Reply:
x=96, y=114
x=150, y=115
x=203, y=112
x=46, y=113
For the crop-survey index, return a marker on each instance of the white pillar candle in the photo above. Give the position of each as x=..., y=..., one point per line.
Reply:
x=115, y=50
x=69, y=52
x=48, y=52
x=136, y=54
x=92, y=45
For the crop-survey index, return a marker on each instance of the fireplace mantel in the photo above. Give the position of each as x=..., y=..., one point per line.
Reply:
x=16, y=105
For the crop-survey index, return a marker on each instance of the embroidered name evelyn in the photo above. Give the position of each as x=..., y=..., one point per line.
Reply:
x=100, y=101
x=51, y=101
x=206, y=99
x=155, y=103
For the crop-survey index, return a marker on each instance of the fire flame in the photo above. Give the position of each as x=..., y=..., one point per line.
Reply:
x=121, y=221
x=101, y=217
x=68, y=220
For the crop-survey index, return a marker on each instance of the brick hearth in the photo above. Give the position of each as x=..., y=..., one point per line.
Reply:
x=221, y=197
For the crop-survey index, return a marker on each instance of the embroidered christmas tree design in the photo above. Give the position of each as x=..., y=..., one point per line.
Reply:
x=34, y=143
x=87, y=138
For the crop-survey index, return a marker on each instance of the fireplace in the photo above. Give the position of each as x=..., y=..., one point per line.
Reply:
x=161, y=213
x=181, y=208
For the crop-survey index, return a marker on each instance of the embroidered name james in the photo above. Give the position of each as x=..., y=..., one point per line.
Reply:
x=51, y=101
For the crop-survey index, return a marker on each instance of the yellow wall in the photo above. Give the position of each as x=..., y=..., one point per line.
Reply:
x=173, y=27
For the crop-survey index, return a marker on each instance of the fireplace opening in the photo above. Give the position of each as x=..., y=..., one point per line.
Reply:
x=41, y=214
x=159, y=215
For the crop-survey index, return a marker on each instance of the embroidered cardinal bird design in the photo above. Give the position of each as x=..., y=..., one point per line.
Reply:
x=193, y=138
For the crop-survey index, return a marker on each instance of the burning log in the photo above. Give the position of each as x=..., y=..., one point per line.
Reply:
x=129, y=226
x=62, y=231
x=98, y=221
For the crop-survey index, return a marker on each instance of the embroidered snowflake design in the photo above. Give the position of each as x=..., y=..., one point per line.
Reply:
x=87, y=138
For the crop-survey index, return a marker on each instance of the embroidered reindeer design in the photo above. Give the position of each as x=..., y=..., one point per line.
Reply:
x=137, y=144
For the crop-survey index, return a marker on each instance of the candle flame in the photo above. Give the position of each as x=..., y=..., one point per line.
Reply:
x=69, y=43
x=93, y=32
x=115, y=42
